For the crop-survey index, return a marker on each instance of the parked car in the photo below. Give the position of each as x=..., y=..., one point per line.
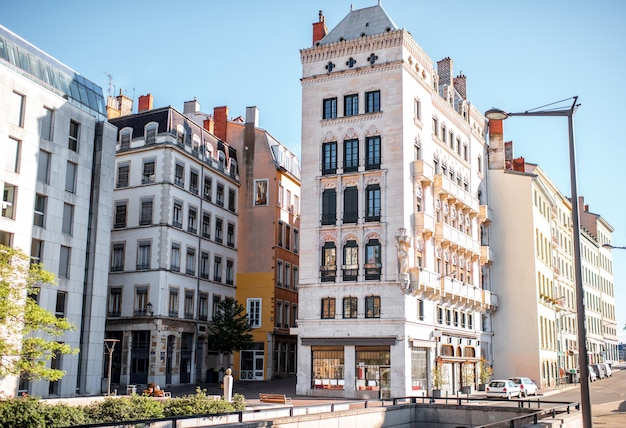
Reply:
x=592, y=375
x=526, y=384
x=503, y=388
x=607, y=369
x=600, y=373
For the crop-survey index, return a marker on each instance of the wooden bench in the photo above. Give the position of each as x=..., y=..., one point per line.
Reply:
x=275, y=398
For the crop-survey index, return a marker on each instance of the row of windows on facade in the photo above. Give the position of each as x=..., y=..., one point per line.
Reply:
x=372, y=265
x=351, y=105
x=287, y=275
x=64, y=252
x=351, y=205
x=446, y=136
x=10, y=195
x=45, y=121
x=146, y=218
x=450, y=317
x=286, y=238
x=143, y=307
x=183, y=139
x=149, y=176
x=371, y=308
x=144, y=256
x=351, y=158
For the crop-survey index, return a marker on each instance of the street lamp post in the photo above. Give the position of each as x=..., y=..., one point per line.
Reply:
x=583, y=358
x=110, y=345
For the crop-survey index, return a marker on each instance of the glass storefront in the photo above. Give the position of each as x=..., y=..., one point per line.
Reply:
x=328, y=367
x=419, y=369
x=369, y=361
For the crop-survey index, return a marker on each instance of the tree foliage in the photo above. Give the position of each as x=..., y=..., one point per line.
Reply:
x=230, y=330
x=27, y=330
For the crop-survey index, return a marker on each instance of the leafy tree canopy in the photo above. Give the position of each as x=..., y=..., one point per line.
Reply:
x=230, y=330
x=27, y=330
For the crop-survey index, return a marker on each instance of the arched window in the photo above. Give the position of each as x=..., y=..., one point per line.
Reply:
x=350, y=261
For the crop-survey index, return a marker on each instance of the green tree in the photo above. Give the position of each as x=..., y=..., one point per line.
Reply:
x=230, y=330
x=28, y=330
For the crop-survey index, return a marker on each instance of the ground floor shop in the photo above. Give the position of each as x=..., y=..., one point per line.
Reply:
x=272, y=359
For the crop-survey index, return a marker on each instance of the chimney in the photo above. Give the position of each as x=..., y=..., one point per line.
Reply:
x=459, y=84
x=192, y=106
x=518, y=164
x=209, y=125
x=444, y=70
x=145, y=103
x=220, y=116
x=118, y=106
x=496, y=145
x=319, y=29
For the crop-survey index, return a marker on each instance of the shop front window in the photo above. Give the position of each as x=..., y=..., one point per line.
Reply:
x=369, y=361
x=419, y=369
x=328, y=368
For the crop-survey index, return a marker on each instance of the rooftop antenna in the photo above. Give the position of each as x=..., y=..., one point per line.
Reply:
x=110, y=83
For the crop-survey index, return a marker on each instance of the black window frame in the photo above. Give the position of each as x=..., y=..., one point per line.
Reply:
x=350, y=205
x=329, y=108
x=351, y=105
x=328, y=310
x=329, y=158
x=351, y=155
x=350, y=307
x=328, y=271
x=373, y=202
x=372, y=307
x=372, y=102
x=372, y=152
x=329, y=207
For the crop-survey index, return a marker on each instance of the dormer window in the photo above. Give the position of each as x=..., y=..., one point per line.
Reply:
x=221, y=160
x=125, y=136
x=180, y=135
x=151, y=133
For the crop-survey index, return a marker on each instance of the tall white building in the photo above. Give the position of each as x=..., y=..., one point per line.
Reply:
x=57, y=177
x=535, y=328
x=173, y=244
x=394, y=258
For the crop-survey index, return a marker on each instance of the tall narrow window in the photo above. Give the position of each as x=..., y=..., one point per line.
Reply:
x=204, y=265
x=373, y=264
x=125, y=135
x=192, y=220
x=219, y=230
x=64, y=262
x=217, y=269
x=230, y=272
x=296, y=240
x=329, y=158
x=420, y=310
x=231, y=200
x=179, y=175
x=120, y=214
x=148, y=175
x=141, y=301
x=43, y=167
x=230, y=235
x=373, y=203
x=193, y=181
x=16, y=110
x=115, y=302
x=206, y=225
x=203, y=307
x=254, y=312
x=143, y=255
x=175, y=258
x=74, y=136
x=117, y=257
x=12, y=155
x=351, y=105
x=279, y=273
x=145, y=216
x=191, y=261
x=59, y=308
x=206, y=191
x=188, y=307
x=328, y=308
x=40, y=210
x=350, y=205
x=350, y=155
x=9, y=195
x=122, y=174
x=70, y=177
x=68, y=218
x=350, y=261
x=372, y=307
x=151, y=133
x=350, y=307
x=172, y=304
x=219, y=196
x=260, y=192
x=329, y=207
x=372, y=152
x=36, y=251
x=417, y=109
x=373, y=101
x=177, y=214
x=329, y=107
x=328, y=270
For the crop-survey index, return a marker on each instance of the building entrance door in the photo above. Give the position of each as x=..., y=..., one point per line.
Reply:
x=252, y=363
x=384, y=373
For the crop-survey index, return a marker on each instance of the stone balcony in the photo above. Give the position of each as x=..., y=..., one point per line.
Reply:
x=447, y=234
x=422, y=171
x=445, y=186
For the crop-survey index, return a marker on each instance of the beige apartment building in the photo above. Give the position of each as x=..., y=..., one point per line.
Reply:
x=535, y=330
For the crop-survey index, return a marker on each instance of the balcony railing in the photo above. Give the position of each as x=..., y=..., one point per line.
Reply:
x=446, y=186
x=328, y=273
x=445, y=232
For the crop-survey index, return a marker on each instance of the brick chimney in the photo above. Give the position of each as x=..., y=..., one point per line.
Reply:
x=209, y=125
x=508, y=155
x=319, y=29
x=220, y=117
x=145, y=103
x=496, y=145
x=118, y=106
x=444, y=70
x=459, y=84
x=518, y=164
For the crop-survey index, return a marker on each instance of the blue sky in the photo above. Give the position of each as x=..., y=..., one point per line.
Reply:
x=517, y=55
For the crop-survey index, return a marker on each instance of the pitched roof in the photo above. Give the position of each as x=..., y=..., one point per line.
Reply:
x=362, y=22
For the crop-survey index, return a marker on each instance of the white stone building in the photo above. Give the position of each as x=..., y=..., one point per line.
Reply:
x=57, y=177
x=535, y=328
x=173, y=244
x=394, y=258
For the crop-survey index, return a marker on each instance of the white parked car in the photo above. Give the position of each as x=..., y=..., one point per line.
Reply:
x=504, y=388
x=526, y=384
